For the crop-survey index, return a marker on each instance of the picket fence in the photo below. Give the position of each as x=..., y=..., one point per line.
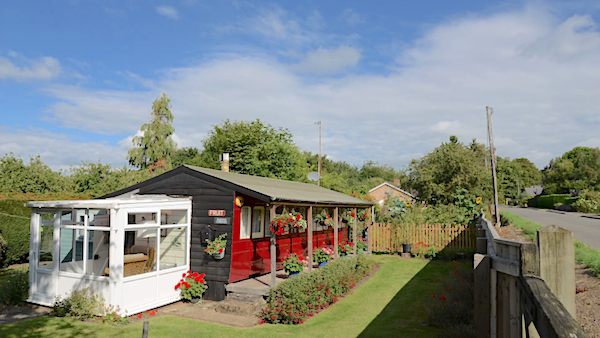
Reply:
x=387, y=237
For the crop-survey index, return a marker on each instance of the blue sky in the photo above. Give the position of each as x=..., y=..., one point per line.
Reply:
x=389, y=80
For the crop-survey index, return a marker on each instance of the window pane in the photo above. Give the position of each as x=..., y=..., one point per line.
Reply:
x=46, y=248
x=140, y=252
x=71, y=250
x=141, y=218
x=257, y=221
x=173, y=246
x=267, y=222
x=173, y=217
x=245, y=223
x=66, y=215
x=99, y=218
x=98, y=250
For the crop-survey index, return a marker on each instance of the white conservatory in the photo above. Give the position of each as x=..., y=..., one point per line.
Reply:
x=131, y=251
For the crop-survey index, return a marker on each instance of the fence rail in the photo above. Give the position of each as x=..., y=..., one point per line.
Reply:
x=388, y=237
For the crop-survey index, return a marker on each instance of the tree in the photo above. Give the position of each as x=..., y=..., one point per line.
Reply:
x=189, y=156
x=254, y=148
x=577, y=169
x=155, y=147
x=34, y=177
x=452, y=165
x=529, y=174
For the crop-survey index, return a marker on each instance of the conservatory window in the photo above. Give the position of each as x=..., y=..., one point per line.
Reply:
x=98, y=252
x=99, y=217
x=173, y=247
x=245, y=223
x=258, y=218
x=46, y=246
x=71, y=250
x=173, y=217
x=141, y=218
x=140, y=251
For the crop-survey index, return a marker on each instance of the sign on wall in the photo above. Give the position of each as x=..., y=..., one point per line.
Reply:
x=216, y=213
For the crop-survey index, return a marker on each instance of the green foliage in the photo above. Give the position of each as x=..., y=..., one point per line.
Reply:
x=80, y=305
x=588, y=202
x=254, y=148
x=190, y=156
x=578, y=168
x=3, y=249
x=549, y=201
x=14, y=286
x=100, y=179
x=292, y=301
x=15, y=231
x=467, y=209
x=217, y=245
x=156, y=146
x=451, y=307
x=192, y=285
x=513, y=176
x=294, y=263
x=320, y=256
x=34, y=177
x=437, y=174
x=588, y=257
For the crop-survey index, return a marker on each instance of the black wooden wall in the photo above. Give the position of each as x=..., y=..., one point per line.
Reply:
x=206, y=195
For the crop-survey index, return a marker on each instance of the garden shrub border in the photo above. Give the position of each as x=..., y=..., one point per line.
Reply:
x=304, y=295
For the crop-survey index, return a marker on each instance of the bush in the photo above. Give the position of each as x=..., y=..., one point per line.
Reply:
x=299, y=297
x=14, y=286
x=80, y=304
x=452, y=306
x=15, y=231
x=548, y=201
x=589, y=202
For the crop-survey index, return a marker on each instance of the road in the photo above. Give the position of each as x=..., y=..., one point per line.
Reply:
x=584, y=228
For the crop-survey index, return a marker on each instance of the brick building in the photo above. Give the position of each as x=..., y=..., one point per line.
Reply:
x=386, y=189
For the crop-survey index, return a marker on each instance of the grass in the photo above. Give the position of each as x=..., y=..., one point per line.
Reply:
x=583, y=254
x=391, y=303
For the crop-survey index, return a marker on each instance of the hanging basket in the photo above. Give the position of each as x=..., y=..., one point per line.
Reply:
x=219, y=255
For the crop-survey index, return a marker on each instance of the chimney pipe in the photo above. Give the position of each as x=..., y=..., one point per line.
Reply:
x=224, y=158
x=397, y=181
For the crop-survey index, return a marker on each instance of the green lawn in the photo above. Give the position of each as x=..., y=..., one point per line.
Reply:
x=583, y=254
x=391, y=303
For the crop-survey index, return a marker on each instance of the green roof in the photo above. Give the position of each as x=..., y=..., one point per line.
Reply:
x=282, y=190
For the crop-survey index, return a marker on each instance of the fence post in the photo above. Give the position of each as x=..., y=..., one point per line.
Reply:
x=530, y=265
x=557, y=264
x=482, y=264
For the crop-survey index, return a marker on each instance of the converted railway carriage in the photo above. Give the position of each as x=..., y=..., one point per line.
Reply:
x=132, y=245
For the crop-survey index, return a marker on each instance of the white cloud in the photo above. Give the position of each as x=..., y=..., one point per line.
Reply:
x=351, y=17
x=328, y=61
x=24, y=69
x=544, y=91
x=168, y=11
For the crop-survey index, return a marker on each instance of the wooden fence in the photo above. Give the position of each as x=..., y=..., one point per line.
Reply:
x=525, y=289
x=388, y=238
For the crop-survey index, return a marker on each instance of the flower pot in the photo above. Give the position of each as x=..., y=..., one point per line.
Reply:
x=219, y=255
x=323, y=263
x=406, y=248
x=293, y=273
x=195, y=300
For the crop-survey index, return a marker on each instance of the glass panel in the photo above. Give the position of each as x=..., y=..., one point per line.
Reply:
x=46, y=248
x=71, y=250
x=245, y=223
x=99, y=218
x=66, y=215
x=98, y=251
x=257, y=222
x=141, y=218
x=140, y=252
x=173, y=246
x=267, y=222
x=173, y=217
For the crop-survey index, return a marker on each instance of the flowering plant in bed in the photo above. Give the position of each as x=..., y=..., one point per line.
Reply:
x=293, y=219
x=294, y=263
x=361, y=244
x=216, y=247
x=192, y=285
x=345, y=248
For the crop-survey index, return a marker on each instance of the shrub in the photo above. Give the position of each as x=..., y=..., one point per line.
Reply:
x=79, y=304
x=548, y=201
x=322, y=255
x=451, y=308
x=292, y=301
x=15, y=231
x=589, y=202
x=192, y=285
x=14, y=286
x=294, y=263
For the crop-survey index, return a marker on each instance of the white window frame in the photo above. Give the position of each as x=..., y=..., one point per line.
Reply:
x=245, y=224
x=261, y=232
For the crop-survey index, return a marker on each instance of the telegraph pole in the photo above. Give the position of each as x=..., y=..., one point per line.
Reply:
x=320, y=163
x=493, y=162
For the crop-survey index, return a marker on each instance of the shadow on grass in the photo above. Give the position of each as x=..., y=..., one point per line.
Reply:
x=41, y=327
x=406, y=314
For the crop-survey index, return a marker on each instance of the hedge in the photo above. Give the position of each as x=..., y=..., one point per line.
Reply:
x=301, y=296
x=15, y=231
x=548, y=201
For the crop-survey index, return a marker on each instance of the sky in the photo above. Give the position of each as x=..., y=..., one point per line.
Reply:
x=390, y=80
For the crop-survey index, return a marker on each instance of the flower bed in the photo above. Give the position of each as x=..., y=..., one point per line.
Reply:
x=296, y=299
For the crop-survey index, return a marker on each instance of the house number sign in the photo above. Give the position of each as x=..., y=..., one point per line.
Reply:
x=216, y=213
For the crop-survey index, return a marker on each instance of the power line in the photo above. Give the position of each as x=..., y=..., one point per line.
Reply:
x=2, y=213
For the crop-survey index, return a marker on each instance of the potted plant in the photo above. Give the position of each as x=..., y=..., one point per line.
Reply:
x=192, y=286
x=361, y=245
x=322, y=256
x=323, y=218
x=216, y=248
x=345, y=248
x=349, y=216
x=294, y=263
x=292, y=218
x=362, y=216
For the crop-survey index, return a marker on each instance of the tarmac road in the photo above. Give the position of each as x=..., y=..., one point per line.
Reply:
x=585, y=227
